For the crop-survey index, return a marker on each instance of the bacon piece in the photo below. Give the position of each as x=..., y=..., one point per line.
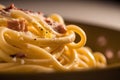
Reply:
x=18, y=55
x=48, y=21
x=10, y=7
x=18, y=25
x=60, y=28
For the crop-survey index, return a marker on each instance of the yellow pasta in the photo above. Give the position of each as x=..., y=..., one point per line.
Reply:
x=31, y=42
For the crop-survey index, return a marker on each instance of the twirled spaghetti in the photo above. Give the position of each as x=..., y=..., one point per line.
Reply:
x=31, y=42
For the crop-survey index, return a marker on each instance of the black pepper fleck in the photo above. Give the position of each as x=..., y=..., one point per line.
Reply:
x=35, y=39
x=41, y=29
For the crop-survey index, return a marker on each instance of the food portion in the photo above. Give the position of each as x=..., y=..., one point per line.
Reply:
x=33, y=42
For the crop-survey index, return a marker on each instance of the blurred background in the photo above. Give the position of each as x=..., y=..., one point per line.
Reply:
x=100, y=12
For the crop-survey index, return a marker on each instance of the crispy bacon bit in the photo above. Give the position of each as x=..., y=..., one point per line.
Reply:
x=29, y=11
x=26, y=11
x=48, y=21
x=60, y=28
x=18, y=55
x=10, y=7
x=18, y=25
x=40, y=13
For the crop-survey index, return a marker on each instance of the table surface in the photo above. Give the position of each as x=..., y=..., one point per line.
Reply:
x=98, y=13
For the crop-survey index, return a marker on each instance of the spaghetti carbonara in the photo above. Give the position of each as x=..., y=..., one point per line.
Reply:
x=32, y=42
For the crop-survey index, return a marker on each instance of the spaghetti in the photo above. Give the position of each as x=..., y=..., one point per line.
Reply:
x=31, y=42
